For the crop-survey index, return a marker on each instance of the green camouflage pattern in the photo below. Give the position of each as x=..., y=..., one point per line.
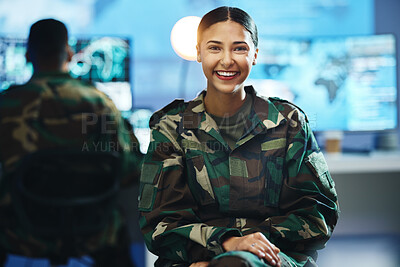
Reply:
x=245, y=258
x=55, y=111
x=195, y=190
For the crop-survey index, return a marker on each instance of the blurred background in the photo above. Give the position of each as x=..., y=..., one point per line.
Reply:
x=336, y=59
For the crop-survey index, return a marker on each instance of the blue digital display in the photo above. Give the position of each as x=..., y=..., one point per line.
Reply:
x=140, y=118
x=105, y=61
x=13, y=66
x=342, y=83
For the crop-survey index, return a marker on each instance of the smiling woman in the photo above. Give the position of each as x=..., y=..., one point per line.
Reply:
x=231, y=178
x=227, y=54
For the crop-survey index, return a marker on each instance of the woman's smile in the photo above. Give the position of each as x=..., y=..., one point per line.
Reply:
x=227, y=75
x=227, y=54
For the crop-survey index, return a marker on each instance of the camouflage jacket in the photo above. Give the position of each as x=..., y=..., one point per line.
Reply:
x=55, y=111
x=195, y=190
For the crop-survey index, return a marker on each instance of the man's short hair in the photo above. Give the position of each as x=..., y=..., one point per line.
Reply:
x=47, y=37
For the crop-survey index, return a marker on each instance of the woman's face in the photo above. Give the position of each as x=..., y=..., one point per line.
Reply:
x=227, y=53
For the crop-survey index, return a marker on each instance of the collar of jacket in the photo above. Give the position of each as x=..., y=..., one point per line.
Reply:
x=263, y=116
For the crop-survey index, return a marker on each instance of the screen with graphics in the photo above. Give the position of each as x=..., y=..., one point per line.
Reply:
x=140, y=118
x=13, y=67
x=342, y=83
x=105, y=61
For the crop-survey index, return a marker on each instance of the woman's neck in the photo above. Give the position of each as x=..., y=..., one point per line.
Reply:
x=224, y=104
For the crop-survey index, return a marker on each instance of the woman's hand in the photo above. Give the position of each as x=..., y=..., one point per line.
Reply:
x=257, y=244
x=200, y=264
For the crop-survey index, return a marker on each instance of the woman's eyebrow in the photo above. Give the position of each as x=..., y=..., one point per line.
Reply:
x=240, y=42
x=219, y=42
x=212, y=41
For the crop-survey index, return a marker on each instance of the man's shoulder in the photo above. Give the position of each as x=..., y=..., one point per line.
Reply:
x=85, y=83
x=76, y=88
x=15, y=88
x=15, y=92
x=41, y=84
x=67, y=79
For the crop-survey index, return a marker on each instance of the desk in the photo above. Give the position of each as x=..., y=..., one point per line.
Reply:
x=377, y=162
x=368, y=191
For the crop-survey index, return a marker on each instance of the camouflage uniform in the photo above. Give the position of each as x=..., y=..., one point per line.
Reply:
x=54, y=111
x=195, y=190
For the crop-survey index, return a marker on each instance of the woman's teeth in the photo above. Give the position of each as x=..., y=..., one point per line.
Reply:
x=226, y=73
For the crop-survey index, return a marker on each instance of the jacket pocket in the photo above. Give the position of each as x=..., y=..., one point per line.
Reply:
x=318, y=166
x=199, y=181
x=148, y=179
x=273, y=169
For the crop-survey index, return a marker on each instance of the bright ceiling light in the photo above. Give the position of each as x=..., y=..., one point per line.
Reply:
x=184, y=37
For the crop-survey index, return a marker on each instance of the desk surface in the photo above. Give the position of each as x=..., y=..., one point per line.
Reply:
x=382, y=161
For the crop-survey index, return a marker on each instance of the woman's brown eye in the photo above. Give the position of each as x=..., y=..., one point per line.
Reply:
x=243, y=48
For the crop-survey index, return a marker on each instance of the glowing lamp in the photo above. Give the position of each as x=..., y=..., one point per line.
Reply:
x=184, y=37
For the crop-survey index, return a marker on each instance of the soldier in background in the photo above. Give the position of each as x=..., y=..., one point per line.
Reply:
x=54, y=111
x=231, y=178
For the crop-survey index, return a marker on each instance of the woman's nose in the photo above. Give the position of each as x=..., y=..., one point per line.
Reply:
x=226, y=60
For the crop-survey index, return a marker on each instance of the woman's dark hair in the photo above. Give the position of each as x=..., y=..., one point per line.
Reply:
x=225, y=13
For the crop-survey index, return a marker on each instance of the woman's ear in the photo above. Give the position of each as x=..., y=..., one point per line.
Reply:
x=198, y=53
x=255, y=57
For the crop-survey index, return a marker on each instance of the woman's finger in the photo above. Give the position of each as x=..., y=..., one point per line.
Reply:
x=262, y=237
x=265, y=240
x=259, y=251
x=265, y=250
x=199, y=264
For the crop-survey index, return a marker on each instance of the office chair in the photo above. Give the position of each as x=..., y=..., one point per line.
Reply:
x=66, y=195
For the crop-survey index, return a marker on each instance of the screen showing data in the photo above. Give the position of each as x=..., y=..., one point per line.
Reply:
x=342, y=83
x=105, y=61
x=140, y=118
x=13, y=66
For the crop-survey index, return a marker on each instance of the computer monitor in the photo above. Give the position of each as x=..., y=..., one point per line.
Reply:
x=13, y=66
x=140, y=118
x=105, y=61
x=342, y=83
